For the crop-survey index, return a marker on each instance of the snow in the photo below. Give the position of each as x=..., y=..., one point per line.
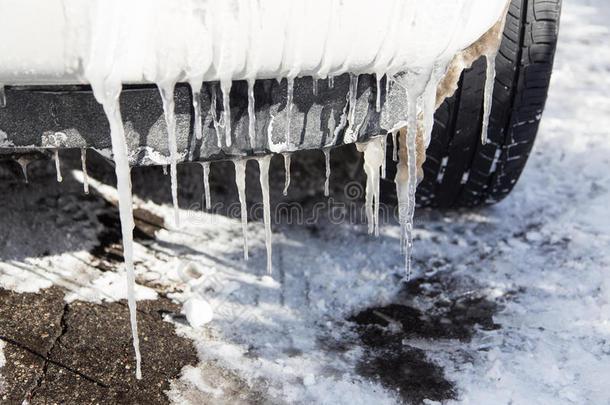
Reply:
x=113, y=287
x=543, y=253
x=198, y=312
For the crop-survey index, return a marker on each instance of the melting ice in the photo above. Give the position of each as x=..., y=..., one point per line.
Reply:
x=240, y=181
x=102, y=37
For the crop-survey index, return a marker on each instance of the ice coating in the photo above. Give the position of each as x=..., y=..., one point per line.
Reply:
x=251, y=112
x=263, y=166
x=289, y=105
x=386, y=112
x=429, y=98
x=236, y=40
x=206, y=184
x=350, y=133
x=225, y=87
x=378, y=93
x=58, y=166
x=217, y=126
x=327, y=171
x=240, y=182
x=287, y=172
x=374, y=155
x=197, y=128
x=83, y=159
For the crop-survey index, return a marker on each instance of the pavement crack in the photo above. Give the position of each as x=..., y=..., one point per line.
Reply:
x=45, y=366
x=46, y=356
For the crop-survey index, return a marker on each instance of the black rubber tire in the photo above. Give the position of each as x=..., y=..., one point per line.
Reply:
x=459, y=171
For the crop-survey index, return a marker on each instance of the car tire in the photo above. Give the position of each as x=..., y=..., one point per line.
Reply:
x=459, y=170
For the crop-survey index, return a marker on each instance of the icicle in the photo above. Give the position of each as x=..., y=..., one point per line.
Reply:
x=350, y=132
x=251, y=112
x=406, y=174
x=83, y=161
x=353, y=93
x=384, y=147
x=429, y=98
x=109, y=97
x=342, y=121
x=2, y=96
x=394, y=147
x=331, y=82
x=315, y=87
x=327, y=163
x=289, y=98
x=24, y=162
x=167, y=97
x=58, y=167
x=263, y=165
x=165, y=170
x=287, y=171
x=412, y=166
x=217, y=125
x=225, y=87
x=196, y=91
x=206, y=184
x=387, y=106
x=378, y=95
x=373, y=160
x=240, y=182
x=488, y=95
x=387, y=85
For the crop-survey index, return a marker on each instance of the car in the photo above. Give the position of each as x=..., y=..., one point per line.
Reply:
x=459, y=88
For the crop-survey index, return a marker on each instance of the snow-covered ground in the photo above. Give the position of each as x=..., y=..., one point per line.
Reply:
x=528, y=279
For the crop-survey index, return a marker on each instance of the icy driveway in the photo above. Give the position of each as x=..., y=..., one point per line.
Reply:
x=512, y=303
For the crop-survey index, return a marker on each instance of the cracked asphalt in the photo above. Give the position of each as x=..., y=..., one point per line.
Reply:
x=60, y=353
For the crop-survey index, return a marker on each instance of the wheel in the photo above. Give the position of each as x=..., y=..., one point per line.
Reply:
x=459, y=171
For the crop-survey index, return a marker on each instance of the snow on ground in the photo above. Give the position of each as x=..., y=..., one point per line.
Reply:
x=538, y=261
